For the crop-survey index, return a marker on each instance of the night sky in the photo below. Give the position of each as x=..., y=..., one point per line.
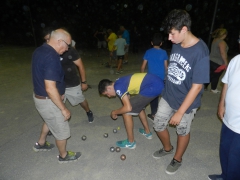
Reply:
x=22, y=20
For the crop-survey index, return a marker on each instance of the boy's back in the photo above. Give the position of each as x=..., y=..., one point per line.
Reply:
x=120, y=44
x=156, y=58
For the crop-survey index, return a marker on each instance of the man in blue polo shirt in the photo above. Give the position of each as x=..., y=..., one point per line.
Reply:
x=145, y=87
x=49, y=89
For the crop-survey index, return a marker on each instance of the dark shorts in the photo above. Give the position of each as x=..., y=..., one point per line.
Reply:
x=120, y=57
x=139, y=103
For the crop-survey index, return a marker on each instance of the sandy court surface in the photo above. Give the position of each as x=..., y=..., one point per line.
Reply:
x=20, y=127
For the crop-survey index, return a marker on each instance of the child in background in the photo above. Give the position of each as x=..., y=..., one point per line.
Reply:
x=156, y=58
x=120, y=44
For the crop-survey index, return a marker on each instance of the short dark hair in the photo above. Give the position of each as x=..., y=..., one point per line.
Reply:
x=157, y=39
x=47, y=31
x=103, y=84
x=119, y=33
x=176, y=19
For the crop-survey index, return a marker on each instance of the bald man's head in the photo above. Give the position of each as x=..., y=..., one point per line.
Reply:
x=60, y=40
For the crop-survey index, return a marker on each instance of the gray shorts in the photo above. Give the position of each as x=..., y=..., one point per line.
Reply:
x=139, y=103
x=74, y=95
x=165, y=112
x=53, y=117
x=102, y=44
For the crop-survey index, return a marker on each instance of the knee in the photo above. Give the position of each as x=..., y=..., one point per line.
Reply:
x=160, y=124
x=183, y=130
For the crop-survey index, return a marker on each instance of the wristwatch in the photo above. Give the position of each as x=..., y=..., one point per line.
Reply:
x=84, y=82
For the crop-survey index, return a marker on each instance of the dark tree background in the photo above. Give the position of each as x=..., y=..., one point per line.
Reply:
x=22, y=21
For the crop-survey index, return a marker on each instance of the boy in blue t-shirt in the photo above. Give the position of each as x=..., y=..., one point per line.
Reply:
x=144, y=88
x=156, y=59
x=188, y=70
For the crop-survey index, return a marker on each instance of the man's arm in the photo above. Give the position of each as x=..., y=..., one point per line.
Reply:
x=127, y=107
x=81, y=69
x=54, y=95
x=144, y=63
x=191, y=96
x=221, y=105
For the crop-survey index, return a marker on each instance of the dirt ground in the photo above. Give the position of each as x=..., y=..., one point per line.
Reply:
x=20, y=126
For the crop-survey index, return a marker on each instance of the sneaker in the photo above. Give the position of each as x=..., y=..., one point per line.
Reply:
x=90, y=116
x=46, y=147
x=121, y=71
x=125, y=62
x=215, y=91
x=215, y=177
x=150, y=117
x=161, y=153
x=70, y=157
x=126, y=144
x=118, y=72
x=173, y=167
x=142, y=131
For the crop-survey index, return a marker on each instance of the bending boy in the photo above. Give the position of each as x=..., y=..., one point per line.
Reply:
x=145, y=87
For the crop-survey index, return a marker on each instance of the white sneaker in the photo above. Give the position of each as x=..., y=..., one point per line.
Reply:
x=215, y=91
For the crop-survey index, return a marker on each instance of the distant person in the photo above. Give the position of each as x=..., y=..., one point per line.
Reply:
x=73, y=66
x=120, y=45
x=156, y=60
x=49, y=89
x=47, y=33
x=188, y=70
x=218, y=58
x=135, y=40
x=126, y=36
x=228, y=111
x=112, y=53
x=135, y=92
x=100, y=35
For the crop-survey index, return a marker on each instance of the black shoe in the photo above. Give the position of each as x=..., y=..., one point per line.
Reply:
x=90, y=116
x=49, y=133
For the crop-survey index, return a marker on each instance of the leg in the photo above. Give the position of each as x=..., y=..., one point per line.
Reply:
x=143, y=118
x=43, y=135
x=154, y=106
x=183, y=131
x=128, y=122
x=61, y=144
x=234, y=157
x=119, y=64
x=165, y=139
x=215, y=79
x=161, y=119
x=85, y=106
x=230, y=153
x=182, y=143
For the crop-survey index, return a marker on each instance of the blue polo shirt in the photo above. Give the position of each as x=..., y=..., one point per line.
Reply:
x=46, y=65
x=126, y=36
x=148, y=85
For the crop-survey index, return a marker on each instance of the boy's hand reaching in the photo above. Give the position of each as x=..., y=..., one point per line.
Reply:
x=114, y=116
